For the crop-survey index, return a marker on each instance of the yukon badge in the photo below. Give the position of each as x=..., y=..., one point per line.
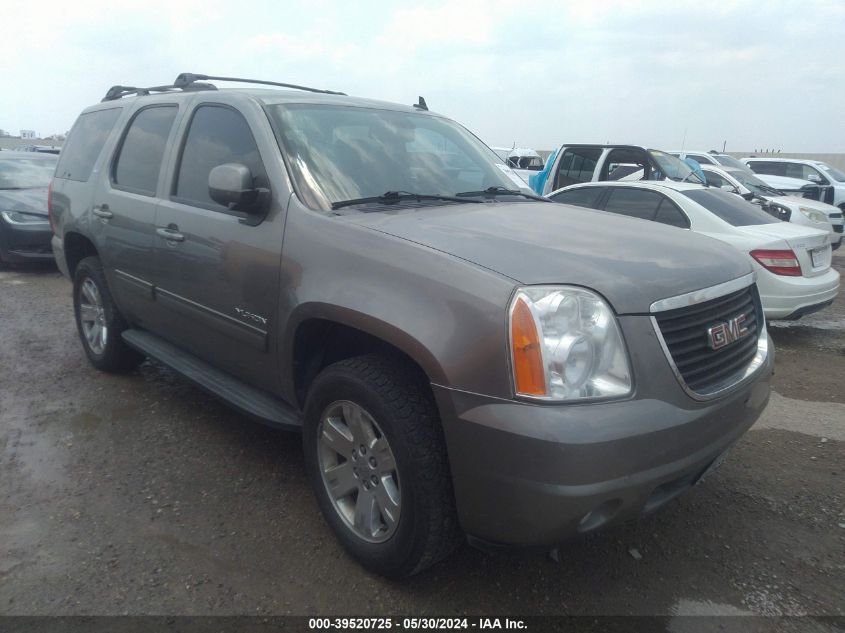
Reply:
x=252, y=317
x=722, y=334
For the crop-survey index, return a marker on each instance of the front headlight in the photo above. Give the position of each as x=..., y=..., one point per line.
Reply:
x=813, y=215
x=16, y=217
x=566, y=345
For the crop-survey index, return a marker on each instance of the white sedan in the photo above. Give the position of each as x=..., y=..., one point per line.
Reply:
x=792, y=262
x=818, y=215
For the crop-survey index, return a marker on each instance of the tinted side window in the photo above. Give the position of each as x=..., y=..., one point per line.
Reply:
x=576, y=165
x=139, y=159
x=580, y=196
x=770, y=168
x=805, y=172
x=635, y=203
x=714, y=180
x=84, y=144
x=217, y=135
x=668, y=213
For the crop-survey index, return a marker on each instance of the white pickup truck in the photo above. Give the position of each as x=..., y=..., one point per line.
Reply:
x=572, y=164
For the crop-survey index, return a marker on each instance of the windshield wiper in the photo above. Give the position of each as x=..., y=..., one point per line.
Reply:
x=392, y=197
x=492, y=192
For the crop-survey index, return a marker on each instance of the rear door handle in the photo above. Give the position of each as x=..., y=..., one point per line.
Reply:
x=171, y=235
x=102, y=211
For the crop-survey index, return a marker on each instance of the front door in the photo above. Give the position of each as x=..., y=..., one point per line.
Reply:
x=218, y=269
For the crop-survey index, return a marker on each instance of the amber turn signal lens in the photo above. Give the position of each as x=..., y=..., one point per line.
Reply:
x=527, y=358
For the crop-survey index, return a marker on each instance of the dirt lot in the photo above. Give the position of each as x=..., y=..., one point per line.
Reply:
x=139, y=494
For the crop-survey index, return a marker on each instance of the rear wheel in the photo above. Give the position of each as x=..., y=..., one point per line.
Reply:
x=98, y=320
x=376, y=457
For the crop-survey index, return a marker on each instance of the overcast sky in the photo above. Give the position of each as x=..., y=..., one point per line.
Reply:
x=757, y=74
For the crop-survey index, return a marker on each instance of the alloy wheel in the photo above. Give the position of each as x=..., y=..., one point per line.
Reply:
x=359, y=471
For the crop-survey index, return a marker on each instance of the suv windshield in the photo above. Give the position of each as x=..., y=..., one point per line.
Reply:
x=26, y=173
x=674, y=168
x=729, y=207
x=833, y=172
x=338, y=153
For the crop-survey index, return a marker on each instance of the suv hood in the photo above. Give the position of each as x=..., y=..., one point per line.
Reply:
x=630, y=262
x=784, y=182
x=24, y=200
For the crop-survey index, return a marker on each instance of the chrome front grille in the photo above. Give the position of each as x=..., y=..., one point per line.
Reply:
x=714, y=343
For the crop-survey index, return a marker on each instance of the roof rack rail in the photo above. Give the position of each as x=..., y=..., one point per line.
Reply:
x=185, y=80
x=118, y=92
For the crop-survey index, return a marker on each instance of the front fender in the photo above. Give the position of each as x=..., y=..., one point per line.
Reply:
x=447, y=314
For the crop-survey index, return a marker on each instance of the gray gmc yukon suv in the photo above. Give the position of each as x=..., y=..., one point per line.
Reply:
x=462, y=358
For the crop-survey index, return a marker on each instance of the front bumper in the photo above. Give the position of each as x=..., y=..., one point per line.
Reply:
x=25, y=242
x=534, y=475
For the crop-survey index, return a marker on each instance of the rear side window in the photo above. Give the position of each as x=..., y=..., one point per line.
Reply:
x=635, y=203
x=217, y=135
x=84, y=144
x=770, y=168
x=729, y=207
x=580, y=196
x=668, y=213
x=576, y=165
x=139, y=158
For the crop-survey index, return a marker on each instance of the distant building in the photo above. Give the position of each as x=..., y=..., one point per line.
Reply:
x=27, y=133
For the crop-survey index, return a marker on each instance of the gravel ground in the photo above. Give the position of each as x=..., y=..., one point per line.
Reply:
x=140, y=494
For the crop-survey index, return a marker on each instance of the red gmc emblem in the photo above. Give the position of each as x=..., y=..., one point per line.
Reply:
x=724, y=334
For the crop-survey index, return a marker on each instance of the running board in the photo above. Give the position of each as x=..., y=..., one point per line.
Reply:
x=246, y=399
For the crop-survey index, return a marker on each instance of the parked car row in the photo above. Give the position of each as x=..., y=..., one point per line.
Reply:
x=788, y=208
x=792, y=263
x=799, y=282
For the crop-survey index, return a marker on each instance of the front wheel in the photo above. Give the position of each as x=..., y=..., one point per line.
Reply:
x=376, y=457
x=98, y=320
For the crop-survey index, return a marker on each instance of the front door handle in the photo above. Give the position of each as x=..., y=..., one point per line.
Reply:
x=102, y=211
x=171, y=235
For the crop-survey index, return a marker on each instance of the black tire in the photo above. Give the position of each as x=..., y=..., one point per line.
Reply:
x=400, y=402
x=116, y=356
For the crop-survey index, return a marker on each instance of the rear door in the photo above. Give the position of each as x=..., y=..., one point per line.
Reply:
x=80, y=162
x=128, y=192
x=218, y=270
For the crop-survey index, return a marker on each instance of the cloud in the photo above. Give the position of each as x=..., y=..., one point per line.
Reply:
x=537, y=72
